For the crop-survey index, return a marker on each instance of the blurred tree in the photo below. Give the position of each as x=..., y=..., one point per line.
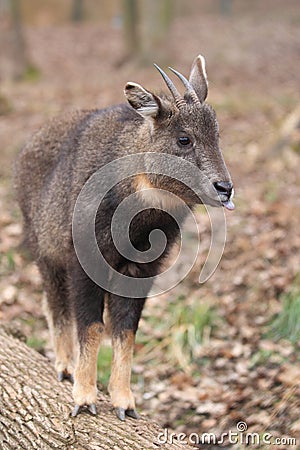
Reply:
x=146, y=25
x=156, y=19
x=226, y=7
x=17, y=40
x=3, y=5
x=130, y=18
x=77, y=10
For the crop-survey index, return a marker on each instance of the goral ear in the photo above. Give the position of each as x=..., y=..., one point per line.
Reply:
x=198, y=78
x=144, y=102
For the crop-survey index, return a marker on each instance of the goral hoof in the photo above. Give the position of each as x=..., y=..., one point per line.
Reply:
x=91, y=408
x=75, y=410
x=122, y=412
x=132, y=413
x=61, y=376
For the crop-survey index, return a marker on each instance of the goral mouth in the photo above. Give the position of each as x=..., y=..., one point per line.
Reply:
x=228, y=205
x=227, y=202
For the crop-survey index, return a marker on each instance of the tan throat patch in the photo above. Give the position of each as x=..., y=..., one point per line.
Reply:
x=155, y=197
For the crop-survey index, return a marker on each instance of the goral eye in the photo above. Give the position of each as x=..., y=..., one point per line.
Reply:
x=184, y=141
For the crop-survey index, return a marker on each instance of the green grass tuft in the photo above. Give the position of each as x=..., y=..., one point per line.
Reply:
x=104, y=363
x=287, y=323
x=36, y=343
x=5, y=105
x=192, y=325
x=7, y=262
x=31, y=74
x=180, y=335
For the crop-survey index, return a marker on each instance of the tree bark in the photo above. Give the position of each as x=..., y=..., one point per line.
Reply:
x=35, y=409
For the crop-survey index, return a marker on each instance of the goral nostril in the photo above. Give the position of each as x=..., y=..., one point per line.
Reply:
x=224, y=187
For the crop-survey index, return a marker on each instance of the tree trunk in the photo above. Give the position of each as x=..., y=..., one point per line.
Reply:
x=226, y=7
x=146, y=27
x=35, y=410
x=77, y=10
x=17, y=40
x=156, y=17
x=130, y=16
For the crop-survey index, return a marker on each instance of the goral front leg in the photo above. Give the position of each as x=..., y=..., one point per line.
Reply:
x=119, y=385
x=85, y=376
x=124, y=314
x=88, y=304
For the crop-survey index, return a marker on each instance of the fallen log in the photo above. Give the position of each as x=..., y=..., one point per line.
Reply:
x=35, y=410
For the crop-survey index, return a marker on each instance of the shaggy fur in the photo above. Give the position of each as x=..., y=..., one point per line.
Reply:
x=50, y=173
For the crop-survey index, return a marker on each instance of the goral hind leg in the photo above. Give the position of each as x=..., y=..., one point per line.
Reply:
x=59, y=316
x=64, y=347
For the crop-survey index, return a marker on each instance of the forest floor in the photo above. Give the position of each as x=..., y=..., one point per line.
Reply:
x=219, y=356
